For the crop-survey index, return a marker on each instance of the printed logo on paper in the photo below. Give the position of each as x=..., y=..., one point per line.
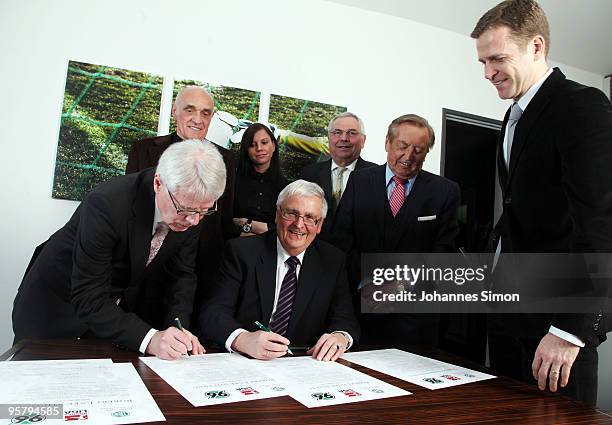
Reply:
x=216, y=394
x=433, y=380
x=451, y=377
x=278, y=388
x=76, y=415
x=350, y=393
x=120, y=414
x=248, y=391
x=377, y=391
x=28, y=419
x=469, y=375
x=323, y=396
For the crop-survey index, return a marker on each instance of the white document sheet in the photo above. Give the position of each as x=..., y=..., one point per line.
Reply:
x=91, y=391
x=314, y=383
x=419, y=370
x=215, y=378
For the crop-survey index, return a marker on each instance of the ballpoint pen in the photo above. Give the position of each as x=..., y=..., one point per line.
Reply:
x=179, y=326
x=265, y=329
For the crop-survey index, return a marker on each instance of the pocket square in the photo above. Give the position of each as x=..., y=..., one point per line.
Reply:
x=426, y=218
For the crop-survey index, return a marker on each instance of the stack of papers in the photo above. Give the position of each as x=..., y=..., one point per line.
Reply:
x=419, y=370
x=96, y=391
x=226, y=378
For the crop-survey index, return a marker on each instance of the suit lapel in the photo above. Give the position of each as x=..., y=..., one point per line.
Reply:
x=377, y=183
x=529, y=118
x=410, y=210
x=265, y=271
x=307, y=283
x=155, y=150
x=140, y=227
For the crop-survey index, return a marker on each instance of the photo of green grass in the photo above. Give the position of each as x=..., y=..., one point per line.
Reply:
x=104, y=110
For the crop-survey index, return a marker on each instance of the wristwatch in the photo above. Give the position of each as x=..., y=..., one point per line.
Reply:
x=247, y=226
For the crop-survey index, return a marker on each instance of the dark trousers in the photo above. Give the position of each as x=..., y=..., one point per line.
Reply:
x=512, y=356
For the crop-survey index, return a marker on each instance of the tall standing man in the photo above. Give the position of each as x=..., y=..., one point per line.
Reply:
x=346, y=135
x=397, y=207
x=554, y=170
x=193, y=110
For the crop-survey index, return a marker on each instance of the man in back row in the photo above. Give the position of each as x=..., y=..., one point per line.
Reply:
x=346, y=135
x=554, y=170
x=394, y=208
x=90, y=277
x=193, y=110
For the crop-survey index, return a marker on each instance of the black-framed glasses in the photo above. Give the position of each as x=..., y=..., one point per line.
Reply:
x=292, y=215
x=349, y=133
x=191, y=211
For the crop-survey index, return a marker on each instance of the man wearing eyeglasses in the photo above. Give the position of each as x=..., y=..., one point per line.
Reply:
x=193, y=110
x=90, y=278
x=346, y=137
x=395, y=208
x=284, y=289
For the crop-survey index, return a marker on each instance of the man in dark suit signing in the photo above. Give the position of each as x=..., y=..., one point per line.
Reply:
x=286, y=280
x=554, y=170
x=346, y=135
x=193, y=110
x=396, y=208
x=89, y=280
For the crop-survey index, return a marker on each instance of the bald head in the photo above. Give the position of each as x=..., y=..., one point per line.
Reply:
x=192, y=110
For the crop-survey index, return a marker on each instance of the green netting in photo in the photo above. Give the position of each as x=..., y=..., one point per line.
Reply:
x=302, y=125
x=104, y=110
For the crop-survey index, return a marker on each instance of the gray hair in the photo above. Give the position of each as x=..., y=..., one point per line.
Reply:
x=345, y=115
x=303, y=188
x=195, y=167
x=179, y=95
x=414, y=120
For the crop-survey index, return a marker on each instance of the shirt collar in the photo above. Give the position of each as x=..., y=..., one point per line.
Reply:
x=389, y=175
x=282, y=255
x=529, y=94
x=156, y=218
x=350, y=167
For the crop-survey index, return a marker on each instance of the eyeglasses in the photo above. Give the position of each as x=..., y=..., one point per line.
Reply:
x=191, y=211
x=349, y=133
x=291, y=215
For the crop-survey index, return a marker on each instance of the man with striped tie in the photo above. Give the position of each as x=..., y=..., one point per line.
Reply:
x=288, y=281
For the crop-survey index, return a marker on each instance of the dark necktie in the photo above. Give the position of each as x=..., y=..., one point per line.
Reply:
x=280, y=319
x=158, y=239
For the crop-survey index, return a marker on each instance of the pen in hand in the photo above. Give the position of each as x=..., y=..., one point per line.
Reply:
x=179, y=326
x=265, y=329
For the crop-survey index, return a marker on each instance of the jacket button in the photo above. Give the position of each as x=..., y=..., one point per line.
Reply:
x=508, y=201
x=596, y=327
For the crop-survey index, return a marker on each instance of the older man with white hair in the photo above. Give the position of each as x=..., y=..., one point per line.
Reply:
x=90, y=277
x=283, y=287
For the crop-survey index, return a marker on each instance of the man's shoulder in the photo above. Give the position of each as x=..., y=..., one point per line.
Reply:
x=154, y=141
x=311, y=171
x=362, y=164
x=438, y=181
x=326, y=251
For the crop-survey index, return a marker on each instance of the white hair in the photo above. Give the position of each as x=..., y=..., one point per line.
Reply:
x=303, y=188
x=194, y=167
x=345, y=115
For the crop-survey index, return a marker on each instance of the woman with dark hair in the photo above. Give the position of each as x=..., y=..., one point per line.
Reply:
x=259, y=180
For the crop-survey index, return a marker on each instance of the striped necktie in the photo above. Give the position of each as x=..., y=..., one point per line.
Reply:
x=396, y=200
x=280, y=319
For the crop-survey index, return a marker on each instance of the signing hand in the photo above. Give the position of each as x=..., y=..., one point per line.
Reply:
x=173, y=343
x=329, y=347
x=261, y=345
x=553, y=357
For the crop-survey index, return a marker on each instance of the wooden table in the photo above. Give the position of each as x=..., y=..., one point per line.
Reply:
x=500, y=400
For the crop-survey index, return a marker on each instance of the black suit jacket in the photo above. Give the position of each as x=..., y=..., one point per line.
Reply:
x=100, y=256
x=216, y=229
x=557, y=193
x=320, y=173
x=359, y=225
x=244, y=292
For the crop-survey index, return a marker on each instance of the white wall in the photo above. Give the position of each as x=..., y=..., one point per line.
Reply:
x=377, y=65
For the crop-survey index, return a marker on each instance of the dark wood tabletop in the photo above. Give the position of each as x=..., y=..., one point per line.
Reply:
x=500, y=400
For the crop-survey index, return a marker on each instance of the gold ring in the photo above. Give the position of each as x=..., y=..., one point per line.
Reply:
x=554, y=372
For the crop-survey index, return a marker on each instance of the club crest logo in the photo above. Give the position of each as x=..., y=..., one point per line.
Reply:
x=120, y=414
x=216, y=394
x=350, y=393
x=433, y=380
x=28, y=419
x=451, y=377
x=323, y=396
